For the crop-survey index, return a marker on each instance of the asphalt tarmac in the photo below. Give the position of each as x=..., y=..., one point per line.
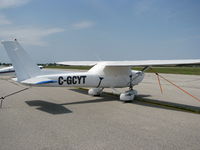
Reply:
x=51, y=118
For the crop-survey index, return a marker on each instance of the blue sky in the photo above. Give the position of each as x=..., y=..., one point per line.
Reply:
x=64, y=30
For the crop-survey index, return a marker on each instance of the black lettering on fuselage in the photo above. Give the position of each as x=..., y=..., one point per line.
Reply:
x=71, y=80
x=79, y=79
x=84, y=79
x=60, y=80
x=74, y=81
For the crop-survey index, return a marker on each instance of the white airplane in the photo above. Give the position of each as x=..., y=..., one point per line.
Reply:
x=7, y=69
x=103, y=74
x=11, y=69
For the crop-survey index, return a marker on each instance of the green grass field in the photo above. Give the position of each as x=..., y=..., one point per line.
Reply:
x=170, y=70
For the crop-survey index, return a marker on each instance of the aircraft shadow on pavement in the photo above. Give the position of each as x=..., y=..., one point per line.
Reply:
x=102, y=99
x=143, y=100
x=48, y=107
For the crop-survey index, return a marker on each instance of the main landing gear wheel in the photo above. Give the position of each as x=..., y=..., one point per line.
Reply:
x=95, y=91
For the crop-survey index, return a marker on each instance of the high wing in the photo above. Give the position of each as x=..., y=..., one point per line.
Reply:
x=78, y=63
x=153, y=62
x=132, y=63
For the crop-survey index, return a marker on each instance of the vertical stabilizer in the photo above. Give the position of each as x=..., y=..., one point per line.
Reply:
x=24, y=67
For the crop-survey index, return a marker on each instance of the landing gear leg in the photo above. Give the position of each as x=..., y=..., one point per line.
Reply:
x=130, y=94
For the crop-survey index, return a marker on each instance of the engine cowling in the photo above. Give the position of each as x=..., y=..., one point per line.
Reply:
x=95, y=91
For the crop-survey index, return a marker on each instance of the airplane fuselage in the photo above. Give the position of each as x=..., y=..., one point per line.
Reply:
x=86, y=79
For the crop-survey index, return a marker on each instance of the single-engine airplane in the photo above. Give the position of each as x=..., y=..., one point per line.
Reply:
x=11, y=69
x=103, y=74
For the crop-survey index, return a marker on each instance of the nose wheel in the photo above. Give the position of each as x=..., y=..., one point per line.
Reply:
x=128, y=95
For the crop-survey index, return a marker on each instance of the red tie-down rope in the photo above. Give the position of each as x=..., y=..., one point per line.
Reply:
x=186, y=92
x=161, y=90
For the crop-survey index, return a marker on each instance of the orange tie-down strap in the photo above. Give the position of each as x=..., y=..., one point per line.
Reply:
x=186, y=92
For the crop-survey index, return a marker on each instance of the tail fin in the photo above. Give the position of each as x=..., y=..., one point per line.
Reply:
x=24, y=67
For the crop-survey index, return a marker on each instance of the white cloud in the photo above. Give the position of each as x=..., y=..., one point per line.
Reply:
x=83, y=25
x=4, y=20
x=29, y=36
x=12, y=3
